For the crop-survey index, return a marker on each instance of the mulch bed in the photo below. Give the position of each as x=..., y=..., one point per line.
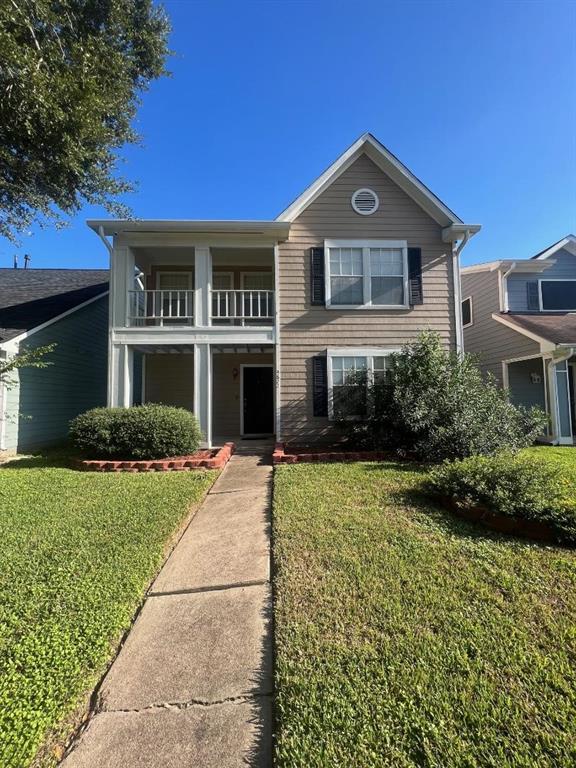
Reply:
x=514, y=526
x=296, y=455
x=216, y=458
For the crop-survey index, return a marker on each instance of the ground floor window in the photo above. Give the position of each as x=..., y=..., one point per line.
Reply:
x=349, y=374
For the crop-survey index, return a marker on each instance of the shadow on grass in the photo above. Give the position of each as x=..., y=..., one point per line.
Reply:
x=45, y=460
x=419, y=498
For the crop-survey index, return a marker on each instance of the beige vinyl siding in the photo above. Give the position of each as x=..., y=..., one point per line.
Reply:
x=486, y=337
x=169, y=379
x=226, y=390
x=307, y=330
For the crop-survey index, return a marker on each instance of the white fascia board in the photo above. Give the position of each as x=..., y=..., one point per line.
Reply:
x=109, y=227
x=569, y=242
x=388, y=164
x=524, y=265
x=458, y=231
x=21, y=336
x=487, y=266
x=545, y=345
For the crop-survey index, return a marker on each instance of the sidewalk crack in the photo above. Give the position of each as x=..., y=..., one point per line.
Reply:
x=214, y=588
x=177, y=705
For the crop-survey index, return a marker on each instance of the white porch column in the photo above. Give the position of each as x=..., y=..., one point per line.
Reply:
x=202, y=285
x=120, y=375
x=560, y=402
x=203, y=390
x=122, y=269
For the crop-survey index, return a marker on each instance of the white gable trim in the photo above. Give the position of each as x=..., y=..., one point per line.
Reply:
x=9, y=344
x=569, y=242
x=545, y=345
x=390, y=165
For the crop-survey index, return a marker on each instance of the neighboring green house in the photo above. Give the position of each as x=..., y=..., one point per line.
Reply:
x=65, y=307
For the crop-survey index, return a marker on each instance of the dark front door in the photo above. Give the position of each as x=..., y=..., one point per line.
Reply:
x=258, y=400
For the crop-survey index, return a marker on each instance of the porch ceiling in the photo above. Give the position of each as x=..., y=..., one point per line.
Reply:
x=250, y=349
x=164, y=349
x=188, y=349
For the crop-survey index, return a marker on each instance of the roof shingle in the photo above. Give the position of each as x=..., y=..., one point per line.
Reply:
x=30, y=297
x=556, y=327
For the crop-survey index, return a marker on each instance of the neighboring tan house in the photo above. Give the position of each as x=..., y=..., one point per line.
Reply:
x=519, y=317
x=65, y=307
x=255, y=325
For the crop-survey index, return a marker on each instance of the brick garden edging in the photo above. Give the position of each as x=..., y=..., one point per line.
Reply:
x=281, y=457
x=513, y=526
x=202, y=460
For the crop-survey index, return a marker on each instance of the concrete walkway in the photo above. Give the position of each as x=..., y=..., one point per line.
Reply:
x=192, y=684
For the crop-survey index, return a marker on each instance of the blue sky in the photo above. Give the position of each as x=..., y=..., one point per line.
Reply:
x=478, y=99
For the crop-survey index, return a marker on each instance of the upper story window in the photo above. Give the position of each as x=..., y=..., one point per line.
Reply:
x=467, y=311
x=366, y=274
x=558, y=295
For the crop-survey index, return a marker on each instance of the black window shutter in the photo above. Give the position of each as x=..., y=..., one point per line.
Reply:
x=320, y=385
x=415, y=276
x=532, y=296
x=317, y=293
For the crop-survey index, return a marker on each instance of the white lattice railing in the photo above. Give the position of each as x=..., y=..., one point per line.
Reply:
x=161, y=307
x=242, y=305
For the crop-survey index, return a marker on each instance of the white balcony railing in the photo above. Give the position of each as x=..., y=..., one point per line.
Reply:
x=175, y=307
x=166, y=307
x=243, y=305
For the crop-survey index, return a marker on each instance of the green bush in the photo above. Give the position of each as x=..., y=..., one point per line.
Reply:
x=512, y=486
x=437, y=405
x=140, y=432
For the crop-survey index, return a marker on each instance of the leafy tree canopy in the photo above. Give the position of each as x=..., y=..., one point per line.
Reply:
x=71, y=75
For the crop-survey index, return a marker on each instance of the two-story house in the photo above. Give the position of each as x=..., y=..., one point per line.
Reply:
x=519, y=318
x=254, y=325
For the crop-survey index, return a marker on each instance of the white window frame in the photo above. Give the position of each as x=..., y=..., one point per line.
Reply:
x=552, y=280
x=467, y=325
x=365, y=245
x=162, y=272
x=221, y=273
x=368, y=352
x=243, y=276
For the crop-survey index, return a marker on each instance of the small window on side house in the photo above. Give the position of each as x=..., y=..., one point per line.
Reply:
x=467, y=312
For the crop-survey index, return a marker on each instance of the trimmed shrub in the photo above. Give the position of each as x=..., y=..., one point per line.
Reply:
x=436, y=405
x=512, y=486
x=140, y=432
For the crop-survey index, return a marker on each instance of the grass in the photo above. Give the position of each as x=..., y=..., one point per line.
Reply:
x=407, y=637
x=77, y=552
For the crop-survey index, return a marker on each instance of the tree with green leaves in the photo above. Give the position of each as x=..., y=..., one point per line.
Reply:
x=26, y=358
x=71, y=77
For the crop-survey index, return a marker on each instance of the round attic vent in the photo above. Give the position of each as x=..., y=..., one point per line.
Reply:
x=365, y=201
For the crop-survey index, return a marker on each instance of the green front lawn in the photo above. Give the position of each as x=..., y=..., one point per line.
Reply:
x=407, y=637
x=77, y=551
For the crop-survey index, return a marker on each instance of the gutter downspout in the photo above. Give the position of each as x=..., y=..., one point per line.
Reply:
x=456, y=251
x=111, y=299
x=503, y=289
x=104, y=239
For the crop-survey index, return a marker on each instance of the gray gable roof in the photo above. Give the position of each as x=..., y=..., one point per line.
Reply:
x=30, y=297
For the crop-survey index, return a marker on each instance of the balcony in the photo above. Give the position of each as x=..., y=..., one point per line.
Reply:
x=176, y=308
x=242, y=307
